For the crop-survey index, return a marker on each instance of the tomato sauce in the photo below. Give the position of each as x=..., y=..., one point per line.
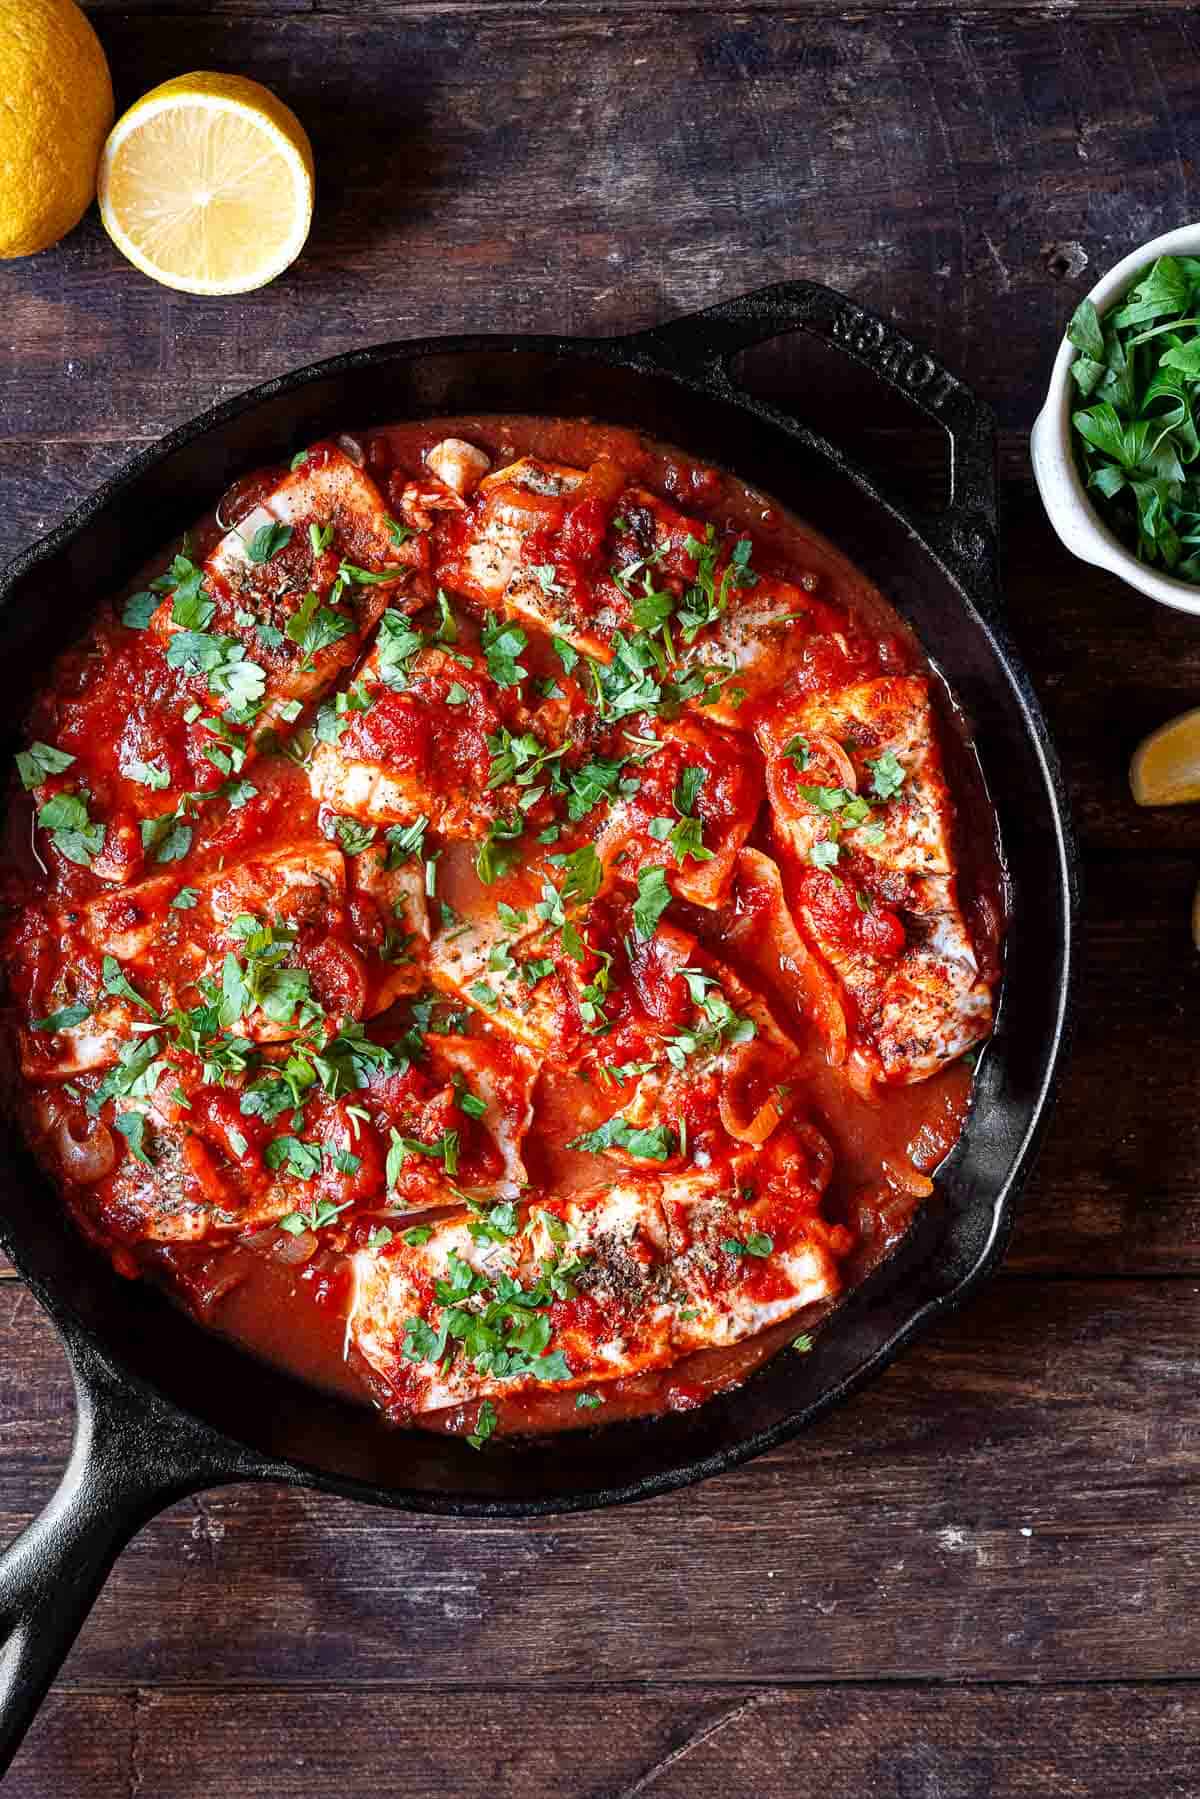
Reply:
x=286, y=1299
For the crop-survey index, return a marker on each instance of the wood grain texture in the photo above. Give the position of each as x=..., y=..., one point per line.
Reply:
x=617, y=1744
x=975, y=1579
x=1014, y=1500
x=948, y=172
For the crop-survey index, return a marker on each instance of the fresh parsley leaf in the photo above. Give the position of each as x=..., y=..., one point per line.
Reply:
x=268, y=540
x=116, y=982
x=353, y=836
x=500, y=850
x=404, y=841
x=72, y=831
x=301, y=1160
x=485, y=1425
x=139, y=609
x=40, y=760
x=654, y=896
x=146, y=774
x=132, y=1126
x=887, y=776
x=64, y=1019
x=314, y=627
x=502, y=643
x=653, y=1143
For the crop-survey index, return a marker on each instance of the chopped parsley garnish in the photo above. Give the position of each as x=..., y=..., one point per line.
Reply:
x=395, y=646
x=756, y=1244
x=323, y=1213
x=353, y=836
x=566, y=653
x=72, y=832
x=447, y=631
x=443, y=1149
x=404, y=841
x=314, y=627
x=584, y=873
x=654, y=896
x=319, y=538
x=223, y=661
x=520, y=759
x=135, y=1076
x=116, y=982
x=268, y=540
x=333, y=719
x=64, y=1019
x=485, y=1425
x=707, y=598
x=40, y=760
x=132, y=1126
x=594, y=781
x=146, y=774
x=719, y=1024
x=650, y=1143
x=139, y=609
x=887, y=776
x=500, y=1326
x=798, y=753
x=300, y=1159
x=502, y=643
x=500, y=850
x=588, y=1402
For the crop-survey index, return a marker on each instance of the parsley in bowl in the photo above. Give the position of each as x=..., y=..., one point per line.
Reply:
x=1136, y=438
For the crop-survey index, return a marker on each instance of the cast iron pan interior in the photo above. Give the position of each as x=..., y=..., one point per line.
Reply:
x=672, y=382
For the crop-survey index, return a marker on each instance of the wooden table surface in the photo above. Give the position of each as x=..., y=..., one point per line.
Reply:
x=976, y=1578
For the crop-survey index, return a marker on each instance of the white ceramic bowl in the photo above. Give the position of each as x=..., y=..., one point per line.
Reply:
x=1063, y=494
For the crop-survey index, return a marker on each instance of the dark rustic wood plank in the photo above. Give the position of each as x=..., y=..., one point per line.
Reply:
x=933, y=169
x=674, y=1744
x=1014, y=1500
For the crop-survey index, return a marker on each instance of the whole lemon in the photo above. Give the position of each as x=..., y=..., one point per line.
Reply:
x=56, y=107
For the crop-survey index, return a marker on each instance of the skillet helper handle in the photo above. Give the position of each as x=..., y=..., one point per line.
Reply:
x=965, y=534
x=130, y=1458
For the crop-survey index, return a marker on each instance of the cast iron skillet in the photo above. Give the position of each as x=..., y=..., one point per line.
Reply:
x=163, y=1407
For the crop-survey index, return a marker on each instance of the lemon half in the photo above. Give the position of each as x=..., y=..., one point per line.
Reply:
x=206, y=184
x=1165, y=770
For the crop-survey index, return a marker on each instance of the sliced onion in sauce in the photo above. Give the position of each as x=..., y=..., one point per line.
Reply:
x=828, y=749
x=89, y=1158
x=902, y=1176
x=351, y=447
x=293, y=1250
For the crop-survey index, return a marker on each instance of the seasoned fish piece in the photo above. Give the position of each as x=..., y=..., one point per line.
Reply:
x=487, y=560
x=273, y=932
x=859, y=797
x=298, y=612
x=518, y=979
x=694, y=806
x=414, y=744
x=607, y=1283
x=874, y=738
x=729, y=1077
x=505, y=556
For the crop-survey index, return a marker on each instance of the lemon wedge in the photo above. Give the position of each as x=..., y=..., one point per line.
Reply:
x=206, y=184
x=1165, y=769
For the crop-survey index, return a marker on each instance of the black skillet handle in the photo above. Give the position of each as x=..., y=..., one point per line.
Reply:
x=131, y=1457
x=704, y=343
